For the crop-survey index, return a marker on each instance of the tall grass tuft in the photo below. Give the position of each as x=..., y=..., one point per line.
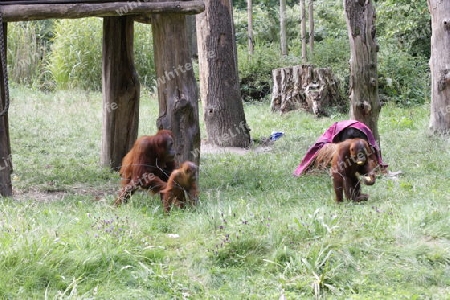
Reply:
x=28, y=50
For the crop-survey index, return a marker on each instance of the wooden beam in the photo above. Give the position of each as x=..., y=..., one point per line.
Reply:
x=120, y=91
x=26, y=12
x=177, y=88
x=5, y=145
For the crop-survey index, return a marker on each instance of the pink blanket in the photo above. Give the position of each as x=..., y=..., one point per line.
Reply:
x=332, y=136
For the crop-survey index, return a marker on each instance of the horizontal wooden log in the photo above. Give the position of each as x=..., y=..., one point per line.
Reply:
x=27, y=12
x=7, y=2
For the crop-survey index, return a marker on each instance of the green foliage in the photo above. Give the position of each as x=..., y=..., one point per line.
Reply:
x=255, y=71
x=405, y=24
x=28, y=50
x=76, y=60
x=403, y=79
x=143, y=54
x=76, y=54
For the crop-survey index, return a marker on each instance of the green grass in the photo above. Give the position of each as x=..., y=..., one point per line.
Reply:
x=258, y=232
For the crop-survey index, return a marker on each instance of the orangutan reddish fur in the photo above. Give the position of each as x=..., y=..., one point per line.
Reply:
x=353, y=158
x=181, y=187
x=147, y=165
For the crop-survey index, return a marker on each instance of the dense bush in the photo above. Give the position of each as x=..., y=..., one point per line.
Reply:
x=255, y=71
x=402, y=78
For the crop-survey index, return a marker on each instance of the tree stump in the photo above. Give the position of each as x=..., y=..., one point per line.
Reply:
x=305, y=87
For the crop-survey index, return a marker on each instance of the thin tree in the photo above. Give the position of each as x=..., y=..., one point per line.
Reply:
x=311, y=28
x=439, y=65
x=303, y=29
x=283, y=39
x=250, y=26
x=219, y=83
x=364, y=102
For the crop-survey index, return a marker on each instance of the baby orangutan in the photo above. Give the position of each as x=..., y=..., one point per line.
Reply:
x=181, y=187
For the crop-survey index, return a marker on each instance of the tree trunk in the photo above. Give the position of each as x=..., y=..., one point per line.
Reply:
x=5, y=145
x=283, y=40
x=250, y=26
x=364, y=103
x=177, y=89
x=311, y=28
x=219, y=83
x=303, y=29
x=305, y=87
x=440, y=66
x=120, y=90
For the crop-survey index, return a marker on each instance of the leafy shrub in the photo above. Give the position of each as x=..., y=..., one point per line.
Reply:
x=255, y=71
x=402, y=78
x=76, y=59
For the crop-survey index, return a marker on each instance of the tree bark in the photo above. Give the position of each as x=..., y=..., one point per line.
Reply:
x=219, y=83
x=364, y=102
x=177, y=89
x=283, y=39
x=120, y=90
x=440, y=66
x=303, y=30
x=5, y=145
x=305, y=87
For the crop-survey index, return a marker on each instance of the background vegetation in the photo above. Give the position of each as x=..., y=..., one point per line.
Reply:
x=66, y=53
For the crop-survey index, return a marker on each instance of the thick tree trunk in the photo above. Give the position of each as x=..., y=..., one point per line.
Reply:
x=120, y=90
x=177, y=89
x=219, y=83
x=5, y=145
x=364, y=102
x=303, y=29
x=440, y=66
x=304, y=87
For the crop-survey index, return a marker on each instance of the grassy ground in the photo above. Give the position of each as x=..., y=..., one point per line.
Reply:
x=258, y=233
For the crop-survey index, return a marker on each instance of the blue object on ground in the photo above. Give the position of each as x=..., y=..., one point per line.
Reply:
x=276, y=135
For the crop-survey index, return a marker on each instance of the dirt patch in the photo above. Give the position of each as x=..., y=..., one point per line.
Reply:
x=44, y=194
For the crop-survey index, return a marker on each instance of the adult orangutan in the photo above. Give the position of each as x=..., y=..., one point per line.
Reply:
x=181, y=187
x=352, y=158
x=319, y=155
x=147, y=165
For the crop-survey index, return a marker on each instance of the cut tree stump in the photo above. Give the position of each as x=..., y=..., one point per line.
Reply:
x=305, y=87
